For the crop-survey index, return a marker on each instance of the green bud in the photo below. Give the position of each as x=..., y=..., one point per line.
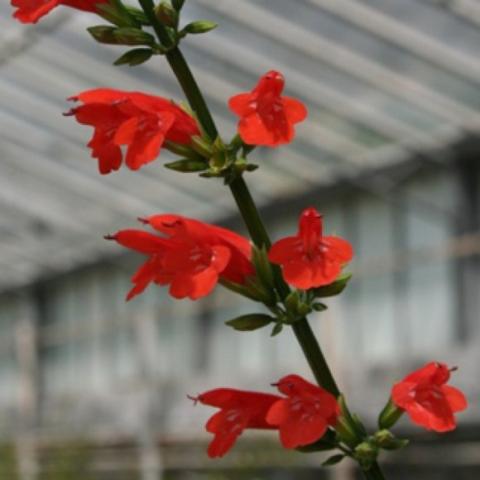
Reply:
x=187, y=166
x=134, y=57
x=246, y=323
x=103, y=34
x=166, y=14
x=200, y=26
x=365, y=453
x=387, y=440
x=133, y=36
x=292, y=301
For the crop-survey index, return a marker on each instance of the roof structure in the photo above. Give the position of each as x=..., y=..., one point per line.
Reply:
x=383, y=80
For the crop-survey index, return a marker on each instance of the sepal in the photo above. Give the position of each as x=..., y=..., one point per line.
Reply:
x=134, y=57
x=334, y=288
x=253, y=321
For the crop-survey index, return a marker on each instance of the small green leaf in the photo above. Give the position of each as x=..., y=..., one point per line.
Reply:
x=187, y=166
x=276, y=329
x=253, y=321
x=134, y=57
x=319, y=307
x=333, y=460
x=334, y=288
x=200, y=26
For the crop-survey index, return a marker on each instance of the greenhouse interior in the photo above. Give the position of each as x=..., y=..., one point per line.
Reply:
x=96, y=388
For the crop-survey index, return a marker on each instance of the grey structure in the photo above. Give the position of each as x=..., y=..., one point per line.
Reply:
x=389, y=153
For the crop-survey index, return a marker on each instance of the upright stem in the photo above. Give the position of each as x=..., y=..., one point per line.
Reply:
x=374, y=473
x=248, y=210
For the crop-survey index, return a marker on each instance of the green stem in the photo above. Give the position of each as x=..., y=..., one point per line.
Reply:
x=181, y=70
x=248, y=210
x=374, y=473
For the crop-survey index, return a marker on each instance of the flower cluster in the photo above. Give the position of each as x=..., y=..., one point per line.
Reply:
x=190, y=256
x=427, y=399
x=138, y=121
x=301, y=416
x=266, y=117
x=30, y=11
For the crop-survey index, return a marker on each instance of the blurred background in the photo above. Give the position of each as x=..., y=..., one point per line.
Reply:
x=92, y=388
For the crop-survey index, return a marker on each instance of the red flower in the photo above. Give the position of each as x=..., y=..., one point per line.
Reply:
x=30, y=11
x=309, y=259
x=239, y=410
x=304, y=416
x=427, y=399
x=139, y=121
x=191, y=256
x=267, y=118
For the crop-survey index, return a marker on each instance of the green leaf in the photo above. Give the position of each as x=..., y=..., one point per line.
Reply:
x=134, y=57
x=319, y=307
x=200, y=26
x=276, y=329
x=253, y=321
x=187, y=166
x=334, y=288
x=333, y=460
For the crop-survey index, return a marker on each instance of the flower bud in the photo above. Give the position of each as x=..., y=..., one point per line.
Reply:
x=200, y=26
x=166, y=14
x=366, y=453
x=186, y=165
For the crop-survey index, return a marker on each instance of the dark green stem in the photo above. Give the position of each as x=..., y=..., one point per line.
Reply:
x=374, y=473
x=181, y=70
x=248, y=210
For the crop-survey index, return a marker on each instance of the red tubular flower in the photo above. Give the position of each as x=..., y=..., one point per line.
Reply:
x=239, y=410
x=267, y=118
x=191, y=257
x=30, y=11
x=304, y=416
x=139, y=121
x=309, y=259
x=427, y=399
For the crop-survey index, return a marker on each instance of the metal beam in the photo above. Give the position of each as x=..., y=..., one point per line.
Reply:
x=413, y=40
x=368, y=71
